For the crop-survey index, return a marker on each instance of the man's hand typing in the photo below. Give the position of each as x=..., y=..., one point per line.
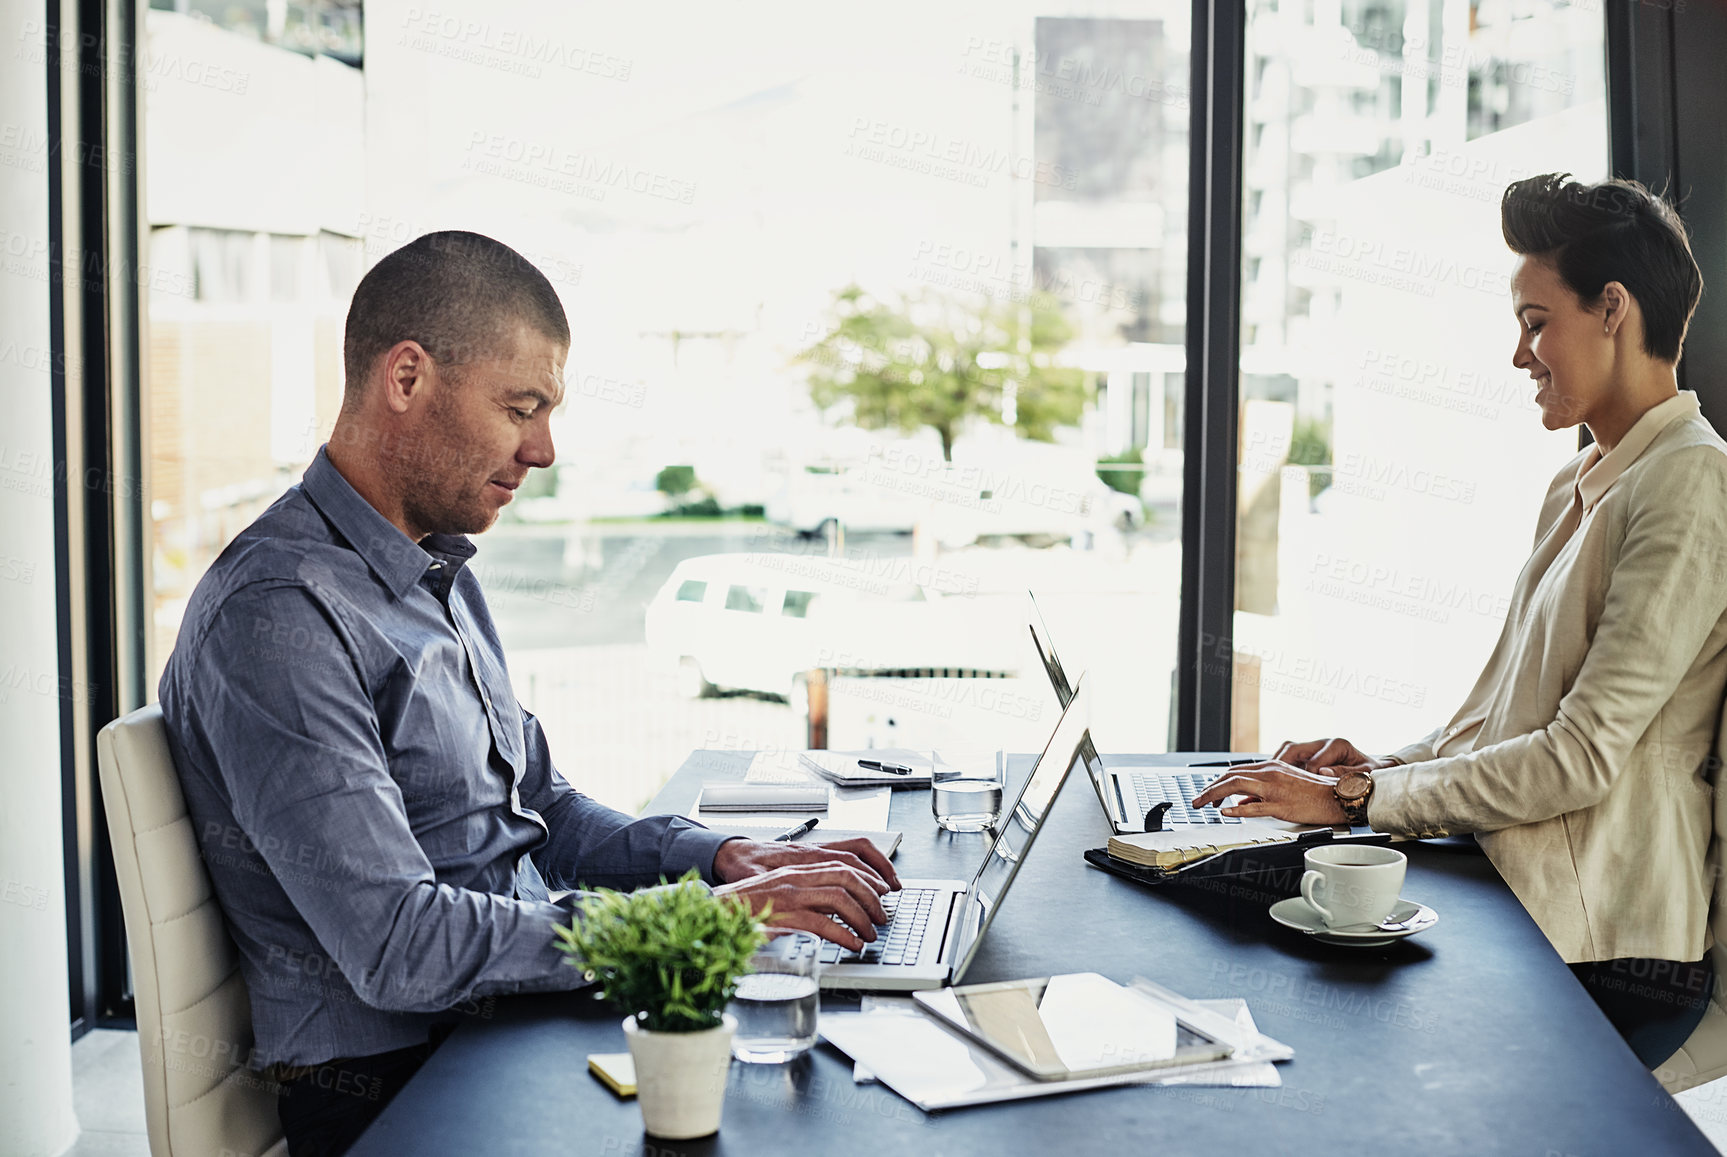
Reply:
x=808, y=884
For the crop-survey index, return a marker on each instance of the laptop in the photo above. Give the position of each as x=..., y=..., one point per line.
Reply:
x=935, y=926
x=1127, y=793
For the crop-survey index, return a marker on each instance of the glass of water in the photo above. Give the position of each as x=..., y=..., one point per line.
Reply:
x=777, y=1001
x=967, y=797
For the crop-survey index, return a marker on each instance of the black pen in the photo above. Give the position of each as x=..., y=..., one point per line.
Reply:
x=1226, y=763
x=890, y=768
x=791, y=834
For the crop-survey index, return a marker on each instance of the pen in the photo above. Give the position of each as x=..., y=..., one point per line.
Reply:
x=1226, y=763
x=890, y=768
x=791, y=834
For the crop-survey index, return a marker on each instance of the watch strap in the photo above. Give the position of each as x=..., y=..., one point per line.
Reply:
x=1354, y=807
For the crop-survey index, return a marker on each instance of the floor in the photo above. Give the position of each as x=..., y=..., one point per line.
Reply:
x=108, y=1094
x=107, y=1090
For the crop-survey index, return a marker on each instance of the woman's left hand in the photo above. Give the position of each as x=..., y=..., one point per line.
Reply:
x=1278, y=790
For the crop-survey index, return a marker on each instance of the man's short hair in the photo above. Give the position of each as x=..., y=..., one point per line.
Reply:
x=1610, y=231
x=460, y=295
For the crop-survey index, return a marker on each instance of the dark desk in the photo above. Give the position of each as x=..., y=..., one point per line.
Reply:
x=1470, y=1038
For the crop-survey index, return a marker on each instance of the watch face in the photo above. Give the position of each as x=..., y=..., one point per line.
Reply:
x=1353, y=786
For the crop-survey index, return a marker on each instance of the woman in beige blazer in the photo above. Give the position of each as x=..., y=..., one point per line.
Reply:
x=1582, y=758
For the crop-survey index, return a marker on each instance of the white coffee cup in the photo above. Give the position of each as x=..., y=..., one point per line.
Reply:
x=1350, y=885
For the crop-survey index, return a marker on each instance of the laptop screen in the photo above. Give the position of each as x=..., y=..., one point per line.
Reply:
x=1019, y=826
x=1046, y=652
x=1040, y=639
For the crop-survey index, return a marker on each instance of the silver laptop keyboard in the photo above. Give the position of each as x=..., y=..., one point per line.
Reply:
x=900, y=940
x=1156, y=788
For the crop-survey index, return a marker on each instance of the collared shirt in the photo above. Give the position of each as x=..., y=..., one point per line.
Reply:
x=1583, y=756
x=379, y=815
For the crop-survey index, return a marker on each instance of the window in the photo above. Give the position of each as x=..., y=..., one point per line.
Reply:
x=1381, y=420
x=797, y=604
x=750, y=599
x=691, y=235
x=692, y=591
x=1033, y=171
x=244, y=363
x=986, y=163
x=224, y=265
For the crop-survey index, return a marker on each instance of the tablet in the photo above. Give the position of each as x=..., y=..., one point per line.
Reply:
x=1079, y=1024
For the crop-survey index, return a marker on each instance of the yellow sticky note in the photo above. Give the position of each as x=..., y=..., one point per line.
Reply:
x=616, y=1070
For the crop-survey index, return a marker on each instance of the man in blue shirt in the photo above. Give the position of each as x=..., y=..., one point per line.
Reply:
x=379, y=815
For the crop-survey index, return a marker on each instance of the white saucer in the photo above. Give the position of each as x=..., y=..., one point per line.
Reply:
x=1295, y=913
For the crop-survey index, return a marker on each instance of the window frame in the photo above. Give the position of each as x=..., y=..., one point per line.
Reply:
x=101, y=532
x=1659, y=64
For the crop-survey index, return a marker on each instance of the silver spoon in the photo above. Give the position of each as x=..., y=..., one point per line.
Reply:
x=1387, y=926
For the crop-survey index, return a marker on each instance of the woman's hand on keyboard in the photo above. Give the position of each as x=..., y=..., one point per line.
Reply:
x=1277, y=790
x=1328, y=756
x=808, y=886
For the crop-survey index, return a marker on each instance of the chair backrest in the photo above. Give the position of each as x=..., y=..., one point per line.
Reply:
x=1703, y=1057
x=194, y=1019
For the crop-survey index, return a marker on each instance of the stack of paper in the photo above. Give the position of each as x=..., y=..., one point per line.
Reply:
x=936, y=1069
x=873, y=765
x=893, y=766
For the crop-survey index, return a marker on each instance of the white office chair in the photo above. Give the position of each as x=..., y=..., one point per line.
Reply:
x=1703, y=1057
x=194, y=1018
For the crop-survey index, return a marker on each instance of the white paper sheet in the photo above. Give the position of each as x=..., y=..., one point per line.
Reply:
x=935, y=1069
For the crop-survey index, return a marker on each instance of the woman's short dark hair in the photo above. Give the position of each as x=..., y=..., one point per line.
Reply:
x=460, y=295
x=1611, y=231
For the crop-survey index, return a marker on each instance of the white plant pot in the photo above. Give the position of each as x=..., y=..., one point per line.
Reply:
x=681, y=1078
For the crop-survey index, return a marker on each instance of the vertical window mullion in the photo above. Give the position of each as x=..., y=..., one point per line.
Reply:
x=1206, y=656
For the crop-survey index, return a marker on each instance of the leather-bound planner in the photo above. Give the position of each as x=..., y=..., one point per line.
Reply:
x=1171, y=849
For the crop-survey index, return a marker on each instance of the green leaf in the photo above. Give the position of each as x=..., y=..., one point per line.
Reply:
x=669, y=955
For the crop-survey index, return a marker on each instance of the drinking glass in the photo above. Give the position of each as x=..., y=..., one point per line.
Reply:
x=777, y=1001
x=967, y=797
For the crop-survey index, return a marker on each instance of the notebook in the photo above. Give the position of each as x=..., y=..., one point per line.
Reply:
x=802, y=798
x=617, y=1071
x=1171, y=849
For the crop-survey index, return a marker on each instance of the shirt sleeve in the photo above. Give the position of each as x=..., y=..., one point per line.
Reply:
x=1663, y=603
x=589, y=845
x=298, y=749
x=1421, y=750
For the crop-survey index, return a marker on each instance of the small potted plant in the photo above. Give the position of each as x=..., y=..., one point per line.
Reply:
x=670, y=957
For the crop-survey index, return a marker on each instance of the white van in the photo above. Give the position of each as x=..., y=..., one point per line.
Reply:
x=758, y=622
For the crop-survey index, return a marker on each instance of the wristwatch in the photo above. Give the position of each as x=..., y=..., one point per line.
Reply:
x=1353, y=789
